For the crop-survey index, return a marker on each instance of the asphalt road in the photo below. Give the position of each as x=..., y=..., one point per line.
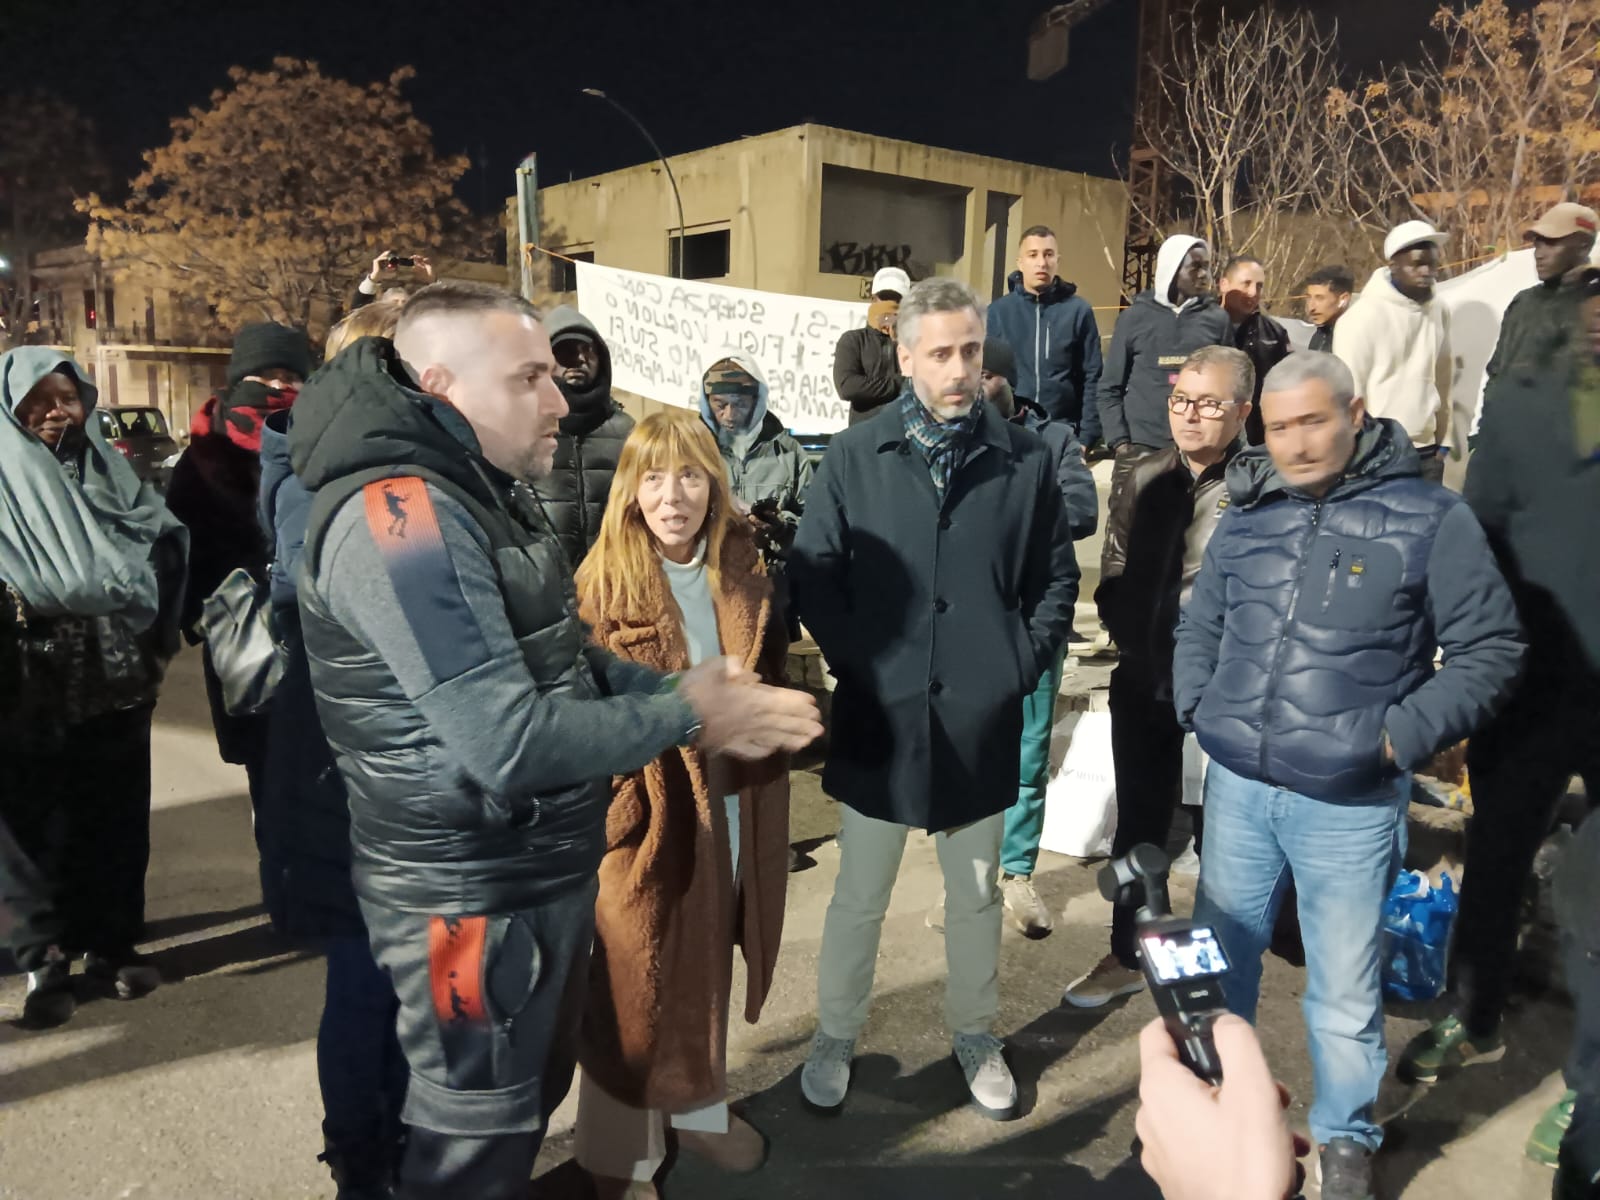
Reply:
x=207, y=1088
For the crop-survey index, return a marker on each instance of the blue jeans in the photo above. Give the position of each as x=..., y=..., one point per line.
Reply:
x=1342, y=857
x=360, y=1068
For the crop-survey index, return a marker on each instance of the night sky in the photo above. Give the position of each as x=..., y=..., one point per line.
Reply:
x=497, y=79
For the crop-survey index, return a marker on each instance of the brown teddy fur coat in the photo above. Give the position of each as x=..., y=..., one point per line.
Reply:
x=655, y=1026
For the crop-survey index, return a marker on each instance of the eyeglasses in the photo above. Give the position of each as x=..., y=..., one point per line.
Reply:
x=1207, y=407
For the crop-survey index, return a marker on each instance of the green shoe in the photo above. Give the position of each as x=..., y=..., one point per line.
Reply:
x=1445, y=1048
x=1544, y=1144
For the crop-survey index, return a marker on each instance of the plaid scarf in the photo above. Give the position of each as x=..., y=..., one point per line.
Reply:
x=943, y=444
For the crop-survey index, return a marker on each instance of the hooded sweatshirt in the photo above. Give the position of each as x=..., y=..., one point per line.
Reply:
x=587, y=445
x=1399, y=352
x=1057, y=346
x=1153, y=338
x=91, y=569
x=764, y=461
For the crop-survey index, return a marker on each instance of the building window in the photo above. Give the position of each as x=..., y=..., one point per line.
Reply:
x=564, y=274
x=706, y=255
x=871, y=220
x=149, y=318
x=89, y=314
x=111, y=307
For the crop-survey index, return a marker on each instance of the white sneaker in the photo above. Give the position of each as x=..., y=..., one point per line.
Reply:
x=825, y=1078
x=982, y=1060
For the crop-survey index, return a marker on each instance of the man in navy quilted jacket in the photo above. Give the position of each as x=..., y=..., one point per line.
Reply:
x=1305, y=664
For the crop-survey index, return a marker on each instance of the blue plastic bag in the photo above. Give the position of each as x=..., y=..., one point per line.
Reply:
x=1416, y=936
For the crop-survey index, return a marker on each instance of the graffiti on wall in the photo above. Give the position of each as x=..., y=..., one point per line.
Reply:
x=863, y=258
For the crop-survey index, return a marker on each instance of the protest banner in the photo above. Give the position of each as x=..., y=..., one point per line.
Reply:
x=663, y=333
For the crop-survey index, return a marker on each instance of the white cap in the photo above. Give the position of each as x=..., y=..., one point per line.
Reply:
x=891, y=279
x=1409, y=234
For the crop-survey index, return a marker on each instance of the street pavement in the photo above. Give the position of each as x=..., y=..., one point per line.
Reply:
x=207, y=1088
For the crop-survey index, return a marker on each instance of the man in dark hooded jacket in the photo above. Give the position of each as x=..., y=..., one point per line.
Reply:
x=214, y=490
x=1154, y=337
x=591, y=434
x=1052, y=332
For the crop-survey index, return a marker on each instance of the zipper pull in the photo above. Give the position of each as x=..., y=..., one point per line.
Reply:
x=1333, y=578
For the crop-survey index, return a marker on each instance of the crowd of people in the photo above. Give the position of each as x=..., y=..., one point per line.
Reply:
x=524, y=769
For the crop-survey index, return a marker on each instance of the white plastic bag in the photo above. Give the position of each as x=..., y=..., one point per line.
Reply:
x=1080, y=813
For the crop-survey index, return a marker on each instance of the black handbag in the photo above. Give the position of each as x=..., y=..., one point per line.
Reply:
x=234, y=621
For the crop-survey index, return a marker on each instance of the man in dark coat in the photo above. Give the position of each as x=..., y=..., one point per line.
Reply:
x=1052, y=331
x=1241, y=286
x=214, y=490
x=591, y=436
x=1305, y=665
x=1154, y=336
x=1534, y=484
x=1158, y=526
x=934, y=566
x=866, y=368
x=1541, y=323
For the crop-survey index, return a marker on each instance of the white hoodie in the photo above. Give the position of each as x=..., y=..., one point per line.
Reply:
x=1399, y=352
x=1168, y=259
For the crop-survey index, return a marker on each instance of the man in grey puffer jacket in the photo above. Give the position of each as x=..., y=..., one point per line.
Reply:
x=1305, y=663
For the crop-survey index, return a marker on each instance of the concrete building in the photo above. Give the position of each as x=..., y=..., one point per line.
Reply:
x=814, y=211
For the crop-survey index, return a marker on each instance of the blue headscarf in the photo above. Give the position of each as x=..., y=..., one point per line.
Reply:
x=74, y=546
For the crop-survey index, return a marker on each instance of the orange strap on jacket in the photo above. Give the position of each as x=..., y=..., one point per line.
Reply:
x=455, y=967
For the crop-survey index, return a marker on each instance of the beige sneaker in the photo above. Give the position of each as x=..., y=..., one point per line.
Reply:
x=1108, y=981
x=1023, y=906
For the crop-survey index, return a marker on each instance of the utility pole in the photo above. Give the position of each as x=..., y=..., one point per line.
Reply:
x=527, y=218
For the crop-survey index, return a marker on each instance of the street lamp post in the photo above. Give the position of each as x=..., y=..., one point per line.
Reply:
x=683, y=230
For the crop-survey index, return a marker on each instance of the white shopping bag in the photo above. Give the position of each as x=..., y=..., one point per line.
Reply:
x=1080, y=812
x=1195, y=762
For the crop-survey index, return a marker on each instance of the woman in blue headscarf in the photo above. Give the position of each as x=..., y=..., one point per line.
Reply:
x=92, y=569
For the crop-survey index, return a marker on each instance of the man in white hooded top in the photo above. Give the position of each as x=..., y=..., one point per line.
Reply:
x=1154, y=337
x=1396, y=341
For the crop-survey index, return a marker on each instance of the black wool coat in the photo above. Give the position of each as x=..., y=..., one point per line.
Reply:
x=936, y=618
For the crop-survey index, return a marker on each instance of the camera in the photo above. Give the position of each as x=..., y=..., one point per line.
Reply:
x=1183, y=962
x=396, y=262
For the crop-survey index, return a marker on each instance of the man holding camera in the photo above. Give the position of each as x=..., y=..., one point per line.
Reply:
x=385, y=274
x=1305, y=663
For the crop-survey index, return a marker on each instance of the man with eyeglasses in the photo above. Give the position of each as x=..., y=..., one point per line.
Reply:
x=1161, y=517
x=590, y=437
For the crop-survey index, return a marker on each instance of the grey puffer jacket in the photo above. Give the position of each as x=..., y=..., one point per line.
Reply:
x=1313, y=626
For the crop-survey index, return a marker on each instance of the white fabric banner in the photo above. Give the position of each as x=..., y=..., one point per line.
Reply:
x=663, y=333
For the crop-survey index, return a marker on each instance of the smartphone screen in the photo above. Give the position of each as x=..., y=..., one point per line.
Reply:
x=1179, y=955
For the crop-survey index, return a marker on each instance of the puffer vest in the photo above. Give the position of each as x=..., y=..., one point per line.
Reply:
x=1328, y=626
x=425, y=837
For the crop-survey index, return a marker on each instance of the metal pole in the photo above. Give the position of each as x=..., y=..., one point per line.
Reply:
x=527, y=218
x=683, y=230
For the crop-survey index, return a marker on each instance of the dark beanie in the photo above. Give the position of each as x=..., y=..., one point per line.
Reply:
x=998, y=360
x=260, y=347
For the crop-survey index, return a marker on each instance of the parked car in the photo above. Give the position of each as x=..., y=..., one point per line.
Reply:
x=141, y=435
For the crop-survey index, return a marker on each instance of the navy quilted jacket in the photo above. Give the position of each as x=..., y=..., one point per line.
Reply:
x=1313, y=626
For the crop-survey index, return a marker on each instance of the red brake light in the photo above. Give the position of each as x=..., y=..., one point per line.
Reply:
x=123, y=447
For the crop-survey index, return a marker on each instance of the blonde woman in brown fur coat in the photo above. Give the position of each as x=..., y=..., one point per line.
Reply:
x=696, y=849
